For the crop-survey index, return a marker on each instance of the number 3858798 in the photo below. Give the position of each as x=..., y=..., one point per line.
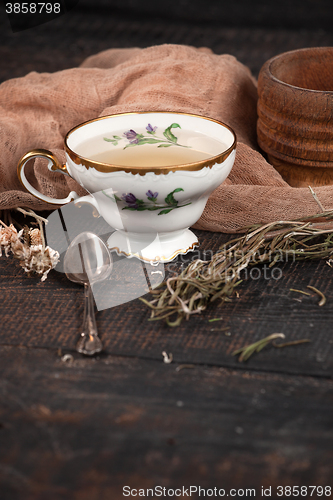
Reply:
x=33, y=8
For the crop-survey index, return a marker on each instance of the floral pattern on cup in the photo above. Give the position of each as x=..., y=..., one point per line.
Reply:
x=136, y=139
x=134, y=203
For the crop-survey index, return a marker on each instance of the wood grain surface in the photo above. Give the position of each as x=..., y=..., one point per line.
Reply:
x=84, y=428
x=73, y=427
x=49, y=315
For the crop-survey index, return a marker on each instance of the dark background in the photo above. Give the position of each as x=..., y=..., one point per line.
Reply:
x=253, y=31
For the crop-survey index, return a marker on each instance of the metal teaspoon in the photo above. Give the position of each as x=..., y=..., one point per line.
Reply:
x=88, y=260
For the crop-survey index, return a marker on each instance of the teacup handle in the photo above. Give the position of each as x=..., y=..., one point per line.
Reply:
x=54, y=165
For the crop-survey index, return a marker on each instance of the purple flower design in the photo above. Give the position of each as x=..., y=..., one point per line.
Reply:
x=151, y=129
x=151, y=196
x=132, y=136
x=130, y=199
x=134, y=203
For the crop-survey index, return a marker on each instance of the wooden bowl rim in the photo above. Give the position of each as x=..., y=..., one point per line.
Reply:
x=270, y=62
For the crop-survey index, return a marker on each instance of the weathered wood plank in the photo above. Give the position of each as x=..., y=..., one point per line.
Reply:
x=85, y=428
x=49, y=314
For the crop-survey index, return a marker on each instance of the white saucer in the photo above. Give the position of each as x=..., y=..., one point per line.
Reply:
x=159, y=247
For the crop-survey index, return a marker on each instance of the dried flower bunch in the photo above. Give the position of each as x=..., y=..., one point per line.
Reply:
x=203, y=282
x=28, y=247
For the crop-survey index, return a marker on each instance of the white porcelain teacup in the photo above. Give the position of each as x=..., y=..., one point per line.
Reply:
x=149, y=175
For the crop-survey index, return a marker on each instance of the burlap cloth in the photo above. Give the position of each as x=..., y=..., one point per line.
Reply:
x=38, y=109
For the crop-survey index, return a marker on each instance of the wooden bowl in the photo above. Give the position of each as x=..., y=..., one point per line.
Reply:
x=295, y=115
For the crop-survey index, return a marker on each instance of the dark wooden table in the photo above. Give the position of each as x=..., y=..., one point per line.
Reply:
x=80, y=428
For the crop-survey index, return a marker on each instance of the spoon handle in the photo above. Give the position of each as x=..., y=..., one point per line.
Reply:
x=89, y=343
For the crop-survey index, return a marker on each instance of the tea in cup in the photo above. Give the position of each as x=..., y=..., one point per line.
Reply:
x=149, y=176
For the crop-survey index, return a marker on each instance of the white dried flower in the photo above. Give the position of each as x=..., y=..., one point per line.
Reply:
x=35, y=237
x=32, y=236
x=32, y=255
x=39, y=260
x=8, y=236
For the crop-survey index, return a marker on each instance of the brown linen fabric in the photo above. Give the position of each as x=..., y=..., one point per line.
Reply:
x=38, y=109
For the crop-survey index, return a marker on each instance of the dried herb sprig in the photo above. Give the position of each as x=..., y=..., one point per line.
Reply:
x=322, y=301
x=299, y=291
x=203, y=282
x=247, y=351
x=292, y=342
